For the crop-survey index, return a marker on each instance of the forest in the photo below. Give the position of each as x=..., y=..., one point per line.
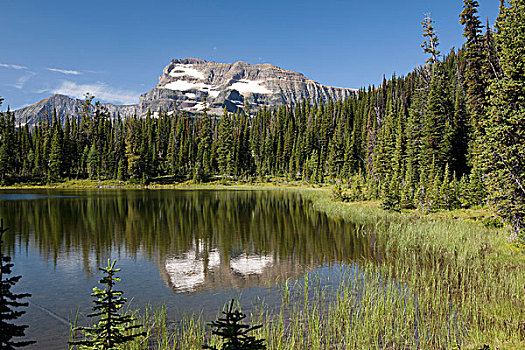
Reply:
x=450, y=134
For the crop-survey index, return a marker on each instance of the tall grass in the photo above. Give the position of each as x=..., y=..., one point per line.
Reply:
x=434, y=284
x=367, y=308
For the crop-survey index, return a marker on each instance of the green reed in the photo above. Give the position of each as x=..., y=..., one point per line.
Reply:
x=432, y=284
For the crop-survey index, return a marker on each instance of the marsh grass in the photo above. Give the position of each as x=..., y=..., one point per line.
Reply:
x=434, y=283
x=365, y=306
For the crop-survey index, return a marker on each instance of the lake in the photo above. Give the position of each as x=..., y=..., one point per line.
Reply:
x=190, y=250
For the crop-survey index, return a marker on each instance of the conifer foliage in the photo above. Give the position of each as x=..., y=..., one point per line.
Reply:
x=235, y=334
x=504, y=124
x=9, y=301
x=431, y=41
x=113, y=329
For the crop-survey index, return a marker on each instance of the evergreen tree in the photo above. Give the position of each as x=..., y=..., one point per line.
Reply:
x=93, y=160
x=56, y=155
x=336, y=152
x=473, y=52
x=504, y=125
x=9, y=301
x=132, y=149
x=235, y=334
x=435, y=147
x=172, y=150
x=205, y=140
x=67, y=149
x=225, y=145
x=459, y=137
x=431, y=41
x=7, y=144
x=122, y=170
x=112, y=329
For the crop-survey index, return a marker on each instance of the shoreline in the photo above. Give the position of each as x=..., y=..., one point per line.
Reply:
x=320, y=195
x=482, y=279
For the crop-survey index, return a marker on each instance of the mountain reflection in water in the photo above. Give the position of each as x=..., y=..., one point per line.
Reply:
x=189, y=250
x=198, y=239
x=199, y=269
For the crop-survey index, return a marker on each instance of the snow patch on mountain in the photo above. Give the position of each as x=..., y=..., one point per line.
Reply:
x=245, y=86
x=214, y=93
x=183, y=85
x=199, y=106
x=181, y=70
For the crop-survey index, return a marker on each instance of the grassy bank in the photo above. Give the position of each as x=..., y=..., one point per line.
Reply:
x=457, y=269
x=437, y=281
x=160, y=183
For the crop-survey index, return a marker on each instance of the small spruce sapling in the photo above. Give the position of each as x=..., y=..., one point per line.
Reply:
x=235, y=334
x=9, y=301
x=113, y=328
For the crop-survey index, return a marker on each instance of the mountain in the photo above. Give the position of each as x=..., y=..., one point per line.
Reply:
x=64, y=105
x=184, y=83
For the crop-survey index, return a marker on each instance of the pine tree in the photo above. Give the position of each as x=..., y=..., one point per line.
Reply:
x=67, y=149
x=336, y=152
x=172, y=150
x=9, y=301
x=112, y=329
x=504, y=125
x=205, y=140
x=122, y=170
x=225, y=145
x=235, y=334
x=422, y=193
x=473, y=52
x=460, y=134
x=491, y=66
x=132, y=149
x=476, y=187
x=432, y=42
x=445, y=191
x=434, y=131
x=56, y=153
x=7, y=145
x=93, y=160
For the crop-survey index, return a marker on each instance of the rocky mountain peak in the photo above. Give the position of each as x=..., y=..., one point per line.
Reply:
x=184, y=83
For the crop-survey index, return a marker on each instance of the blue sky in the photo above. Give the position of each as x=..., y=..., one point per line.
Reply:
x=117, y=49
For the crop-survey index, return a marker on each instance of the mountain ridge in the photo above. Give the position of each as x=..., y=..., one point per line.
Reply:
x=185, y=83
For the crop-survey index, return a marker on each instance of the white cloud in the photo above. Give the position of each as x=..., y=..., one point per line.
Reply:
x=64, y=71
x=20, y=82
x=13, y=66
x=99, y=90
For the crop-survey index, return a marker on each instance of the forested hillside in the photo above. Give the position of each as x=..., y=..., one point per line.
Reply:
x=450, y=134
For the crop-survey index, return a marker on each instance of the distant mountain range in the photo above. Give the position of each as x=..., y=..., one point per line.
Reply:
x=184, y=83
x=64, y=105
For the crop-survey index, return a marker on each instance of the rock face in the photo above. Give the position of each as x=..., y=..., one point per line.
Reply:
x=184, y=84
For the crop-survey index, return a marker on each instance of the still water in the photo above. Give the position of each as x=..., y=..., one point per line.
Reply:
x=190, y=250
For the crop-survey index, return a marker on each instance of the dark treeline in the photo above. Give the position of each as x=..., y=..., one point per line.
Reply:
x=447, y=135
